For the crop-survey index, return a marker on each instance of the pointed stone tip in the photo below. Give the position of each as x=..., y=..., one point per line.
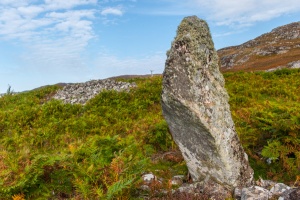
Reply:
x=195, y=21
x=192, y=27
x=193, y=18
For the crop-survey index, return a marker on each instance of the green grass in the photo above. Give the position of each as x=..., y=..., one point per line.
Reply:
x=51, y=150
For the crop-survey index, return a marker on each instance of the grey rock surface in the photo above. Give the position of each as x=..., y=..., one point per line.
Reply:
x=292, y=194
x=294, y=65
x=210, y=189
x=267, y=184
x=279, y=188
x=195, y=106
x=80, y=93
x=290, y=65
x=177, y=180
x=255, y=193
x=237, y=193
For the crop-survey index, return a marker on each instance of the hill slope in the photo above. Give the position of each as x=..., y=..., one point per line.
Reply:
x=52, y=150
x=279, y=48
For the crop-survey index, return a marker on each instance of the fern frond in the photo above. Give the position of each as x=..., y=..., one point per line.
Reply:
x=117, y=188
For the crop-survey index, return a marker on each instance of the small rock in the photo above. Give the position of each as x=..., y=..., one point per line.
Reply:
x=237, y=193
x=294, y=65
x=145, y=188
x=189, y=188
x=212, y=190
x=177, y=180
x=148, y=177
x=255, y=193
x=267, y=184
x=292, y=194
x=279, y=188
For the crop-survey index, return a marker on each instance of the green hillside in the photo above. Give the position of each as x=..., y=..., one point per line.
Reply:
x=51, y=150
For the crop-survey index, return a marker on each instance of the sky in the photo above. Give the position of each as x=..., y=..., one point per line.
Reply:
x=44, y=42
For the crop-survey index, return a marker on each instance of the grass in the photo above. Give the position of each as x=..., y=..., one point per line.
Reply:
x=51, y=150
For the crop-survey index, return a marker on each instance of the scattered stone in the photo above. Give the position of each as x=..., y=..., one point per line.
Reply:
x=217, y=191
x=177, y=180
x=292, y=194
x=290, y=65
x=255, y=193
x=267, y=184
x=145, y=188
x=191, y=188
x=153, y=182
x=294, y=65
x=195, y=106
x=279, y=188
x=80, y=93
x=147, y=178
x=210, y=189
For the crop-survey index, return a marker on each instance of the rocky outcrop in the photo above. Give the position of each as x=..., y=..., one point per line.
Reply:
x=291, y=65
x=266, y=190
x=80, y=93
x=262, y=190
x=275, y=49
x=195, y=106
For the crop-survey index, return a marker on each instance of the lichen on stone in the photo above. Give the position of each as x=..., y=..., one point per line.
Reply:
x=195, y=106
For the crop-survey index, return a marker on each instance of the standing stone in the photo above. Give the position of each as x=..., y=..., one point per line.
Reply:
x=195, y=106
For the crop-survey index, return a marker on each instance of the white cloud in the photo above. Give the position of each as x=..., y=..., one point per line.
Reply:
x=30, y=11
x=76, y=23
x=36, y=20
x=54, y=34
x=14, y=2
x=111, y=65
x=74, y=14
x=53, y=55
x=67, y=4
x=112, y=11
x=14, y=25
x=235, y=13
x=245, y=12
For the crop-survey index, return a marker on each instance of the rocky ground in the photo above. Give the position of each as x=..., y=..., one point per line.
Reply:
x=262, y=190
x=80, y=93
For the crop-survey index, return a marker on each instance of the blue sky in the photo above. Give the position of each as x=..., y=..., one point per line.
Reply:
x=49, y=41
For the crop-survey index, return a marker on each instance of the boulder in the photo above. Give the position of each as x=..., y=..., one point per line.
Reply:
x=291, y=194
x=255, y=193
x=195, y=106
x=279, y=188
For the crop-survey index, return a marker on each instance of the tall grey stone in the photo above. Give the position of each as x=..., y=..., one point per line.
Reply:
x=195, y=106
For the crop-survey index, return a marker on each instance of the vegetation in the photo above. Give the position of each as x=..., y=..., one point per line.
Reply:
x=51, y=150
x=98, y=151
x=266, y=111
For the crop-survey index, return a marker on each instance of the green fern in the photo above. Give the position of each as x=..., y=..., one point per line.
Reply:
x=118, y=188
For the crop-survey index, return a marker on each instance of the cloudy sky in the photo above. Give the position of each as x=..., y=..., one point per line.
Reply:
x=49, y=41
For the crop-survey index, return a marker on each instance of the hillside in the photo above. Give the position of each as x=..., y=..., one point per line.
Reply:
x=100, y=150
x=279, y=48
